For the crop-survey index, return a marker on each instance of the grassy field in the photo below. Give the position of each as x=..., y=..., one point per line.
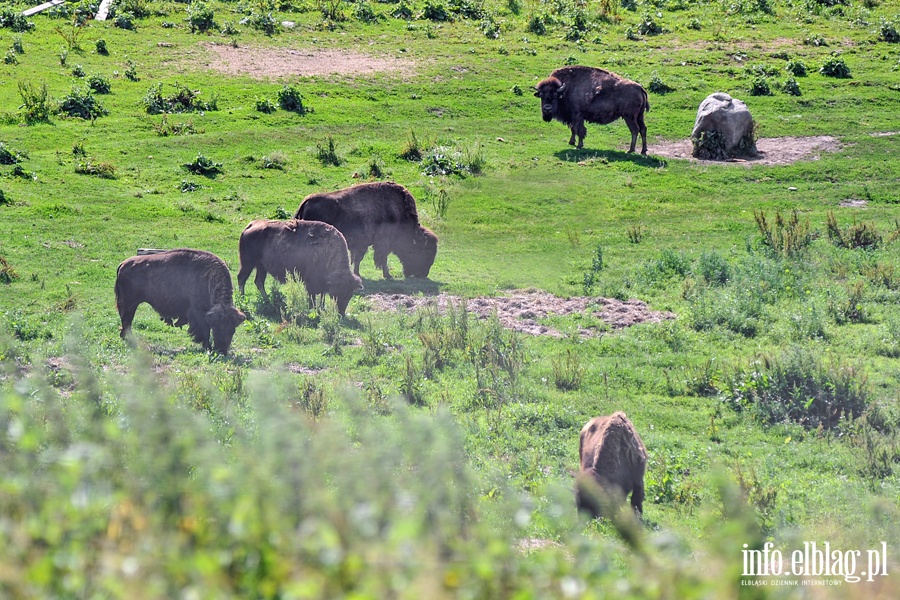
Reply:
x=428, y=453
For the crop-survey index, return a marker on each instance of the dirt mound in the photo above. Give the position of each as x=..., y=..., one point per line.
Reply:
x=524, y=309
x=266, y=63
x=772, y=151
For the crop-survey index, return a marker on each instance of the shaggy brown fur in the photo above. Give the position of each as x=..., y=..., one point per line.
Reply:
x=573, y=95
x=315, y=251
x=186, y=287
x=382, y=215
x=613, y=457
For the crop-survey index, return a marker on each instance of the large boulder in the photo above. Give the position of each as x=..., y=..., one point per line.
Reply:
x=723, y=128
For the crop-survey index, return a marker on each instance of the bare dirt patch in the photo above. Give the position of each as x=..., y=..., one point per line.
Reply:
x=271, y=63
x=772, y=151
x=523, y=310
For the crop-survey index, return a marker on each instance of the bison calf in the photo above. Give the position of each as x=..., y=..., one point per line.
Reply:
x=186, y=287
x=573, y=95
x=613, y=460
x=382, y=215
x=315, y=251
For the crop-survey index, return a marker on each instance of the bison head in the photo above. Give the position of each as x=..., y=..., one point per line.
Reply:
x=550, y=91
x=223, y=320
x=417, y=253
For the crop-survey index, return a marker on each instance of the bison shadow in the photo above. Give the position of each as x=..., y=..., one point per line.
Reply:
x=575, y=155
x=409, y=286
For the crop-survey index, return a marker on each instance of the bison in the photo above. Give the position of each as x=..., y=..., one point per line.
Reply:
x=382, y=215
x=613, y=460
x=315, y=251
x=186, y=287
x=573, y=95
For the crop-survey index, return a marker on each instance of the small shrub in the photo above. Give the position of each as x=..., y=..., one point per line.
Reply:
x=290, y=98
x=17, y=46
x=262, y=21
x=11, y=157
x=125, y=20
x=189, y=186
x=131, y=71
x=274, y=160
x=796, y=68
x=98, y=84
x=78, y=71
x=101, y=48
x=412, y=151
x=669, y=264
x=658, y=86
x=63, y=56
x=435, y=10
x=648, y=26
x=635, y=234
x=858, y=235
x=835, y=67
x=791, y=87
x=815, y=40
x=786, y=237
x=798, y=386
x=164, y=128
x=7, y=272
x=183, y=100
x=265, y=106
x=312, y=400
x=14, y=20
x=568, y=372
x=439, y=201
x=203, y=165
x=200, y=17
x=80, y=102
x=713, y=268
x=363, y=12
x=593, y=272
x=327, y=154
x=402, y=11
x=846, y=306
x=760, y=87
x=695, y=24
x=97, y=169
x=411, y=383
x=887, y=32
x=536, y=25
x=10, y=58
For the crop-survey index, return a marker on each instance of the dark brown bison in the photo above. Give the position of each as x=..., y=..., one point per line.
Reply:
x=613, y=459
x=315, y=251
x=382, y=215
x=186, y=287
x=573, y=95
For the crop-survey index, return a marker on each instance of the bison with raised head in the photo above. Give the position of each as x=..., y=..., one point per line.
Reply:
x=186, y=287
x=573, y=95
x=613, y=460
x=382, y=215
x=315, y=251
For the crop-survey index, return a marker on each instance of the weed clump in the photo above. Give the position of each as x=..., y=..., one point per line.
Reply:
x=799, y=387
x=858, y=235
x=327, y=154
x=35, y=102
x=835, y=67
x=200, y=17
x=7, y=272
x=290, y=99
x=81, y=103
x=102, y=170
x=183, y=100
x=203, y=165
x=711, y=145
x=785, y=237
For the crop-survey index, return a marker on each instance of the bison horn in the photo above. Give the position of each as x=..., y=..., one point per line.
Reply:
x=561, y=90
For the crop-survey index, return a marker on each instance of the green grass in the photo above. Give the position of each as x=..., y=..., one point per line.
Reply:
x=206, y=498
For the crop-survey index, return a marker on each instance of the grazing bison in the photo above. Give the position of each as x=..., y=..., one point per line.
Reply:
x=186, y=287
x=316, y=252
x=612, y=457
x=573, y=95
x=382, y=215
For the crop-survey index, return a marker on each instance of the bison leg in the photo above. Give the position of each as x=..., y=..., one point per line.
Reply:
x=198, y=327
x=381, y=260
x=356, y=257
x=243, y=275
x=126, y=315
x=260, y=282
x=579, y=130
x=637, y=498
x=634, y=129
x=643, y=131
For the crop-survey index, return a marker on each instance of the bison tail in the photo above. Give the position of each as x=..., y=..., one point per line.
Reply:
x=646, y=101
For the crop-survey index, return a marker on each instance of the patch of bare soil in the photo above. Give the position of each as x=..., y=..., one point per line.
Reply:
x=523, y=310
x=772, y=151
x=266, y=63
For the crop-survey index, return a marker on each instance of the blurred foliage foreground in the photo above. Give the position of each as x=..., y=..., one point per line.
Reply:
x=116, y=486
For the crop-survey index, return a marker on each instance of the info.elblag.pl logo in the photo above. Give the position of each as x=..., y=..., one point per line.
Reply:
x=820, y=564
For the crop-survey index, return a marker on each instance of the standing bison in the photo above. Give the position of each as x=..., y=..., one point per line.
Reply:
x=573, y=95
x=316, y=252
x=382, y=215
x=613, y=460
x=186, y=287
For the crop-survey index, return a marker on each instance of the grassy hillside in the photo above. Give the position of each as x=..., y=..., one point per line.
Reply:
x=428, y=452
